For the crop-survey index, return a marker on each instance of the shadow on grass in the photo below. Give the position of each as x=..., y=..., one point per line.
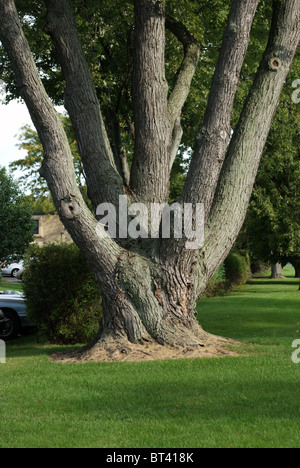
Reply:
x=188, y=397
x=248, y=316
x=266, y=282
x=29, y=346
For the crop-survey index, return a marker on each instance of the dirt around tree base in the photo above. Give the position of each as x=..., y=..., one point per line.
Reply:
x=114, y=351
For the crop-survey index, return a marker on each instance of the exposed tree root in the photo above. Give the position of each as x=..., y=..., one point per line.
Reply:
x=111, y=349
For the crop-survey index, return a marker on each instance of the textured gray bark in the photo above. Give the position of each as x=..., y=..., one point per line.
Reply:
x=150, y=167
x=186, y=71
x=183, y=82
x=276, y=271
x=83, y=106
x=57, y=166
x=150, y=288
x=213, y=137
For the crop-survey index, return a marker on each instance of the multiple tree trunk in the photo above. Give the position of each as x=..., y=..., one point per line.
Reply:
x=150, y=286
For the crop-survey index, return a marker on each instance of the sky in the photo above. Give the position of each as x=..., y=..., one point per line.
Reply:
x=12, y=117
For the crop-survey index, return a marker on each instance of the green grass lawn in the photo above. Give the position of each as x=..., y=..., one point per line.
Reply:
x=6, y=286
x=252, y=400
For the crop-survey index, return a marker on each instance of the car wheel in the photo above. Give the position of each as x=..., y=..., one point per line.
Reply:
x=14, y=273
x=12, y=327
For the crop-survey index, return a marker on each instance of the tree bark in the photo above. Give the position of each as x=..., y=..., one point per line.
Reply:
x=83, y=106
x=150, y=288
x=186, y=71
x=276, y=271
x=150, y=166
x=213, y=137
x=181, y=89
x=57, y=166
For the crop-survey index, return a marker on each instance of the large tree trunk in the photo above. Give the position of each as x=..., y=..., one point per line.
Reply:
x=151, y=165
x=149, y=312
x=150, y=287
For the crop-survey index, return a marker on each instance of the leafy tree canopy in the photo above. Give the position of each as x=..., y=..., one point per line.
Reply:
x=272, y=227
x=106, y=29
x=30, y=164
x=15, y=219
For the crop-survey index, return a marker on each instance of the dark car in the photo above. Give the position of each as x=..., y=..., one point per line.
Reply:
x=13, y=306
x=4, y=324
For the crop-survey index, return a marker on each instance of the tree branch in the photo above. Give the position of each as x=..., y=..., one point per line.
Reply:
x=186, y=71
x=247, y=144
x=113, y=126
x=83, y=106
x=118, y=148
x=57, y=166
x=150, y=166
x=176, y=140
x=213, y=137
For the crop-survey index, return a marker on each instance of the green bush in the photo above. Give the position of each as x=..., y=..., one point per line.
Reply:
x=236, y=269
x=257, y=267
x=217, y=284
x=63, y=300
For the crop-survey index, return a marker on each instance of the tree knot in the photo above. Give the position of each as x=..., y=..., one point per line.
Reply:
x=69, y=208
x=274, y=63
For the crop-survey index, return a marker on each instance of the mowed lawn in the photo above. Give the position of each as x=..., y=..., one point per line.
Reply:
x=252, y=400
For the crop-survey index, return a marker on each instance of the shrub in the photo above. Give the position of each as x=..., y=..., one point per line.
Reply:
x=217, y=284
x=257, y=267
x=63, y=300
x=236, y=269
x=232, y=273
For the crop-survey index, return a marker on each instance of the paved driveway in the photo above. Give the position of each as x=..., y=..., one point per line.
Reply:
x=10, y=279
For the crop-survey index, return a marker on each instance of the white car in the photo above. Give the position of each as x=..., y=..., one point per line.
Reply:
x=19, y=275
x=12, y=269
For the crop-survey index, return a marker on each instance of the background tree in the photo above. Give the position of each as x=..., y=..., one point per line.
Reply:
x=272, y=227
x=15, y=219
x=30, y=164
x=150, y=286
x=31, y=181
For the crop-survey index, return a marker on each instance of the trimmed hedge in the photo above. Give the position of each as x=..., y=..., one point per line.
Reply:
x=63, y=299
x=236, y=269
x=233, y=273
x=217, y=284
